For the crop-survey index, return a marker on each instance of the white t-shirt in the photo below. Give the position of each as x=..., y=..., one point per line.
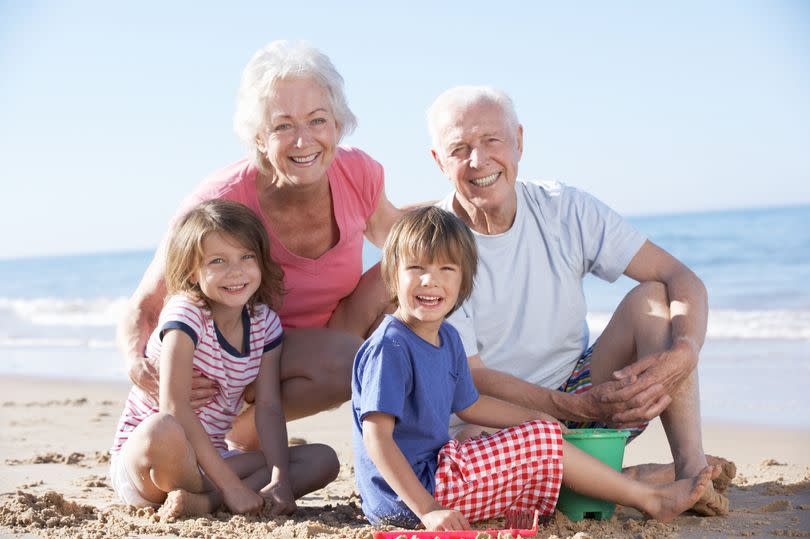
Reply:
x=526, y=315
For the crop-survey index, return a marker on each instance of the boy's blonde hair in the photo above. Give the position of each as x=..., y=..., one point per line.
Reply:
x=430, y=234
x=185, y=250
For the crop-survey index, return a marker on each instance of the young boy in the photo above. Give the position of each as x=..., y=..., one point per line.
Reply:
x=412, y=373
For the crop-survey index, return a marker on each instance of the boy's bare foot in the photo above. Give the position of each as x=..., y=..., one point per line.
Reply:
x=671, y=500
x=660, y=474
x=181, y=503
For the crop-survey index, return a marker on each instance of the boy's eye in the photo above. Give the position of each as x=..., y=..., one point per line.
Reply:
x=449, y=268
x=413, y=267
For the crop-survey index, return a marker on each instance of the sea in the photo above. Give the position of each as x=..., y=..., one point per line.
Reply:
x=58, y=314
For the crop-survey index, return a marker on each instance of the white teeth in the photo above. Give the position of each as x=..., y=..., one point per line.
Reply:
x=305, y=159
x=234, y=288
x=428, y=299
x=486, y=180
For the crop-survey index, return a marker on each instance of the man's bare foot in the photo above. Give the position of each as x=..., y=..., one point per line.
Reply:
x=181, y=503
x=661, y=474
x=669, y=501
x=711, y=503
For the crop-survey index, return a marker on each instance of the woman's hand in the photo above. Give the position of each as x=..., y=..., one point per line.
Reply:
x=280, y=496
x=241, y=500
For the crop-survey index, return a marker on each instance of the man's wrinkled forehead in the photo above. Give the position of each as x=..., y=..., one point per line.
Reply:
x=472, y=120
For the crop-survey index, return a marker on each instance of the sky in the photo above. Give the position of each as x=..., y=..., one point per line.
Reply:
x=111, y=112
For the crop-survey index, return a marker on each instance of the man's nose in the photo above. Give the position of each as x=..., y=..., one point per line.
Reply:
x=478, y=157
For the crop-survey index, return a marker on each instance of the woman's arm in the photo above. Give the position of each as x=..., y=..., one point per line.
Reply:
x=176, y=360
x=138, y=321
x=378, y=439
x=271, y=427
x=381, y=221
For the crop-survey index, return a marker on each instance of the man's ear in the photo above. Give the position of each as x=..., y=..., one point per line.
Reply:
x=520, y=141
x=436, y=158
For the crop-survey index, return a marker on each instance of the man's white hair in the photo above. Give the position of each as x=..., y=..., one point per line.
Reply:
x=463, y=96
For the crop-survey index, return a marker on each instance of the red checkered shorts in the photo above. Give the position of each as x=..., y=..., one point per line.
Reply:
x=515, y=468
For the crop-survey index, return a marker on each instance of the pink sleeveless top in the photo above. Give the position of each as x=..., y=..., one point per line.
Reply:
x=314, y=287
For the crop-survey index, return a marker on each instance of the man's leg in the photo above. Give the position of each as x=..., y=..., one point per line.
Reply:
x=639, y=327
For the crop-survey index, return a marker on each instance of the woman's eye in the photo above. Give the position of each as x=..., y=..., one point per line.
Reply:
x=318, y=121
x=282, y=127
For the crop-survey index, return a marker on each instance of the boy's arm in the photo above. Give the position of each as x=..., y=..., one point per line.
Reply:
x=491, y=412
x=378, y=439
x=176, y=360
x=583, y=407
x=271, y=427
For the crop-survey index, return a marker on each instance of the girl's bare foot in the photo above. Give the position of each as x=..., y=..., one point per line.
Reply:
x=669, y=501
x=181, y=503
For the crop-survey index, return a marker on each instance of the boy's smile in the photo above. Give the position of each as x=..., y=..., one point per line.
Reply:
x=426, y=291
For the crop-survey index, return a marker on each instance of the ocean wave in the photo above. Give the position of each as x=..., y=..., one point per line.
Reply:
x=95, y=312
x=90, y=323
x=732, y=324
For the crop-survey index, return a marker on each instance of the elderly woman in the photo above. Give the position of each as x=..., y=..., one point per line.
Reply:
x=317, y=201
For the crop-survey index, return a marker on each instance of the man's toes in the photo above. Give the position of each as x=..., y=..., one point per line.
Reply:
x=711, y=504
x=728, y=471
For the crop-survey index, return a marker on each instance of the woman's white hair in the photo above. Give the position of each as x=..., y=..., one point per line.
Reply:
x=282, y=60
x=463, y=96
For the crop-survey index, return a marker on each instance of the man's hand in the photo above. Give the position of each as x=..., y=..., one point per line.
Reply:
x=280, y=496
x=144, y=373
x=644, y=389
x=444, y=520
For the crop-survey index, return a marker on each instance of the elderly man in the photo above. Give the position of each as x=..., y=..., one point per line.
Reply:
x=524, y=327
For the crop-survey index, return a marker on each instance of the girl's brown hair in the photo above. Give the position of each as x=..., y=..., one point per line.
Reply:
x=185, y=252
x=430, y=234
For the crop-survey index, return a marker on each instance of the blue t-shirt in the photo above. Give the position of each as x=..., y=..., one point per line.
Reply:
x=399, y=373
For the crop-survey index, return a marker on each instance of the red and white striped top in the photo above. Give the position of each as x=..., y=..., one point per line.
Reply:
x=214, y=357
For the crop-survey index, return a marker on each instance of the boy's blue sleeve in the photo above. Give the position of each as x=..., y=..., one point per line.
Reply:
x=385, y=380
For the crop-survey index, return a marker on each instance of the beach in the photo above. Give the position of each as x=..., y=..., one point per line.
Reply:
x=54, y=482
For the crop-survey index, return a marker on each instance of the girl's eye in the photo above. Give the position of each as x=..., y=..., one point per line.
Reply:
x=249, y=256
x=216, y=261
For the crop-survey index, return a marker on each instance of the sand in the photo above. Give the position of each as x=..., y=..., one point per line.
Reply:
x=54, y=480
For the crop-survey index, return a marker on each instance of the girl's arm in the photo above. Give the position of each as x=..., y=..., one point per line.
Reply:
x=378, y=439
x=491, y=412
x=271, y=427
x=176, y=360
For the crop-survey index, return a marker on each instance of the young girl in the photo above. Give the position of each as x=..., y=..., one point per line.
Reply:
x=216, y=322
x=412, y=373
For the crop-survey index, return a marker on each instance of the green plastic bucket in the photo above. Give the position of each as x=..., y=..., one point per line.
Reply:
x=608, y=446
